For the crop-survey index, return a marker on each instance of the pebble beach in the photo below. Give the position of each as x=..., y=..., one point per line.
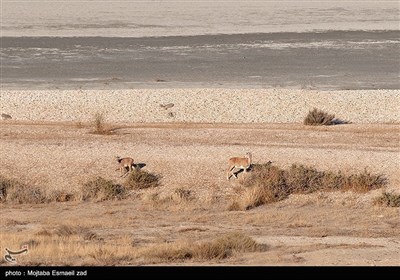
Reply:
x=205, y=105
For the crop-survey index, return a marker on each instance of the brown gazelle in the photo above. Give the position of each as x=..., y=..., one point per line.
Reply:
x=238, y=163
x=123, y=163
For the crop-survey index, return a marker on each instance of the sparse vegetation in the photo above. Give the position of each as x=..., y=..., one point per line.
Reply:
x=100, y=126
x=364, y=182
x=182, y=194
x=62, y=196
x=140, y=179
x=319, y=117
x=71, y=245
x=219, y=248
x=101, y=189
x=15, y=191
x=269, y=184
x=388, y=199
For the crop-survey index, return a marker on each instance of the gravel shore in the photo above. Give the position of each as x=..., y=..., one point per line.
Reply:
x=200, y=105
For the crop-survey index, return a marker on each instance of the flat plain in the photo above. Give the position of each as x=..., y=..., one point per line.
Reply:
x=191, y=204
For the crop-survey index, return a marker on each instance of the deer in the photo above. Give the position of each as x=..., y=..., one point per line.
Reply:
x=123, y=163
x=243, y=163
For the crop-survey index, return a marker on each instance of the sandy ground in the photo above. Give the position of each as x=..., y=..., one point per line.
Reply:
x=316, y=229
x=202, y=105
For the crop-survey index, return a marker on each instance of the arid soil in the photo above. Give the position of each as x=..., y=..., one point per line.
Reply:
x=331, y=228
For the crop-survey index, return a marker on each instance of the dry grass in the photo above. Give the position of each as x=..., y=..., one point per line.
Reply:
x=268, y=184
x=70, y=245
x=388, y=199
x=140, y=179
x=14, y=191
x=100, y=126
x=101, y=189
x=364, y=182
x=319, y=117
x=64, y=246
x=182, y=195
x=62, y=196
x=219, y=248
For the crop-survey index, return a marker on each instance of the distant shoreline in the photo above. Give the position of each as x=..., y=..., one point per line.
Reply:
x=171, y=18
x=274, y=34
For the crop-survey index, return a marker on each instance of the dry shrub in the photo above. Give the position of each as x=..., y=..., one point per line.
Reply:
x=365, y=182
x=167, y=252
x=220, y=248
x=31, y=243
x=66, y=230
x=235, y=206
x=182, y=195
x=319, y=117
x=388, y=199
x=140, y=179
x=99, y=125
x=268, y=184
x=70, y=230
x=104, y=256
x=302, y=179
x=225, y=246
x=61, y=196
x=15, y=191
x=101, y=189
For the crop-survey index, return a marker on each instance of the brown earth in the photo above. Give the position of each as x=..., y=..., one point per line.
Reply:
x=324, y=228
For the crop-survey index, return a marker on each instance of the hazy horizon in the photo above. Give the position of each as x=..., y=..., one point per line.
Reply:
x=182, y=18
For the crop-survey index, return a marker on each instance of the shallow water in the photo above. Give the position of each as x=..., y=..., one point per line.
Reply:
x=323, y=61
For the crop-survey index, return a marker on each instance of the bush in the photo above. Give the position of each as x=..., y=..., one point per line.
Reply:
x=101, y=189
x=140, y=179
x=99, y=125
x=319, y=117
x=268, y=184
x=219, y=248
x=364, y=182
x=15, y=191
x=388, y=199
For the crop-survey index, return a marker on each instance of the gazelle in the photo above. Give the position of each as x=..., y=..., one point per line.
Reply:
x=240, y=163
x=123, y=163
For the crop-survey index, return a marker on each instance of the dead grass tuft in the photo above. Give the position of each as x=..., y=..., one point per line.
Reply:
x=99, y=125
x=220, y=248
x=364, y=182
x=66, y=230
x=104, y=256
x=388, y=199
x=61, y=196
x=140, y=179
x=225, y=246
x=15, y=191
x=101, y=189
x=182, y=195
x=318, y=117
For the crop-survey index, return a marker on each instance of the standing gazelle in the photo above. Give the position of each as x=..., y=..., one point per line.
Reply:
x=240, y=163
x=123, y=163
